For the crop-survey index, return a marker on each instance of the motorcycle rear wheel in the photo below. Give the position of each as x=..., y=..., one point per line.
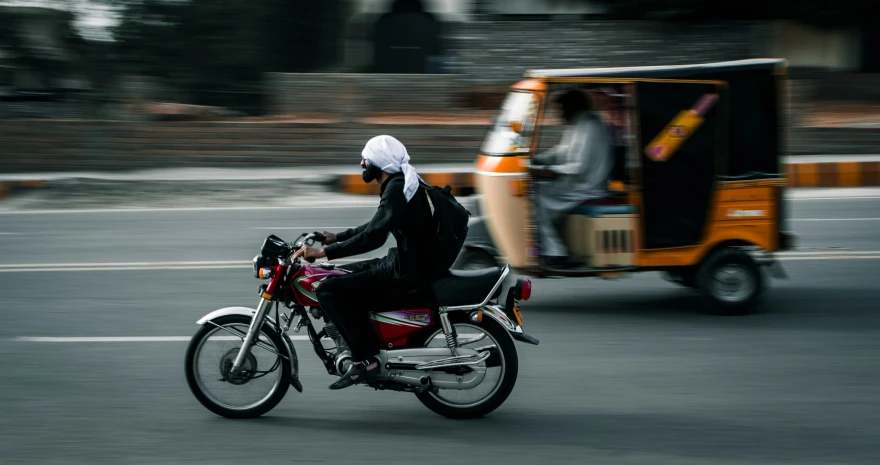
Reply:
x=507, y=360
x=196, y=384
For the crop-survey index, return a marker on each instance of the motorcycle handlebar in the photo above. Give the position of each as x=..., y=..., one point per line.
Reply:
x=305, y=238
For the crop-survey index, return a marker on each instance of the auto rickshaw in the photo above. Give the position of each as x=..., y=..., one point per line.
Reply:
x=696, y=191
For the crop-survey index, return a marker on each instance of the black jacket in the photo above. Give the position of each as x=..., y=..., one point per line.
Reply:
x=412, y=225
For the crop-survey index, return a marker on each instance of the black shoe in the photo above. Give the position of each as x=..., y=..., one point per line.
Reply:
x=358, y=373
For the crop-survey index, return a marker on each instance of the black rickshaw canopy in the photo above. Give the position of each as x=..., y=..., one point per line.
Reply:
x=694, y=71
x=740, y=138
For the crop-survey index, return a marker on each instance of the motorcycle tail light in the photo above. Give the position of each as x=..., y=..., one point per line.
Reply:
x=265, y=273
x=523, y=289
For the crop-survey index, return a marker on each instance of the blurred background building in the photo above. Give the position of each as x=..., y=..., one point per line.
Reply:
x=346, y=61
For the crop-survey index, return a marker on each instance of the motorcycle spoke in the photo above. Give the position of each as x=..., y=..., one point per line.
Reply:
x=260, y=342
x=252, y=385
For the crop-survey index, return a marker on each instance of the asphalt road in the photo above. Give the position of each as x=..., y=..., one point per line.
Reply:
x=628, y=372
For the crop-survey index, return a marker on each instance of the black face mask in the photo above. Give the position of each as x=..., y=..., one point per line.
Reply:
x=370, y=173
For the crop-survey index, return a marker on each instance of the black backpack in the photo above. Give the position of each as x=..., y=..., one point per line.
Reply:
x=452, y=225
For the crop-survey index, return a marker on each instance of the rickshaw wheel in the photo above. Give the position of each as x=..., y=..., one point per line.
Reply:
x=730, y=282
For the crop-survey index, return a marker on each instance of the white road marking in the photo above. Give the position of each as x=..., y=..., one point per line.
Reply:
x=132, y=339
x=190, y=209
x=834, y=219
x=125, y=268
x=826, y=193
x=130, y=264
x=140, y=266
x=832, y=198
x=832, y=257
x=8, y=234
x=237, y=264
x=304, y=228
x=829, y=252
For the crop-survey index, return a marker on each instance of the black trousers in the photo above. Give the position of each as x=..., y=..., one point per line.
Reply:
x=347, y=300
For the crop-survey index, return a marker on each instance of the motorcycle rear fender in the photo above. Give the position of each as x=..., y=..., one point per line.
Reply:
x=497, y=313
x=249, y=313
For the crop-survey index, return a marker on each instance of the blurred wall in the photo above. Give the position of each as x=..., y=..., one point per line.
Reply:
x=500, y=51
x=343, y=95
x=836, y=49
x=59, y=145
x=488, y=56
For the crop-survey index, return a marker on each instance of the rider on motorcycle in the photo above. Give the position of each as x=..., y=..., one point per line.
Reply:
x=403, y=211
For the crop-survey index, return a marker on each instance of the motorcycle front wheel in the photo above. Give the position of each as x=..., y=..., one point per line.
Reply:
x=262, y=381
x=501, y=370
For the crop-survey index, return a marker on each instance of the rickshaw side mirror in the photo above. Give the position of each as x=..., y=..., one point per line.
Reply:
x=516, y=126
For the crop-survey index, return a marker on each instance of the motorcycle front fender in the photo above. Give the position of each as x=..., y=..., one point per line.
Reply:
x=290, y=354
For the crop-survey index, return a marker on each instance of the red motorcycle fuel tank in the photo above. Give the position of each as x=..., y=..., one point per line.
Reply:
x=394, y=328
x=306, y=280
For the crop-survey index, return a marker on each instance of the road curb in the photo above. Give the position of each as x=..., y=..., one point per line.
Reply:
x=462, y=183
x=799, y=174
x=834, y=174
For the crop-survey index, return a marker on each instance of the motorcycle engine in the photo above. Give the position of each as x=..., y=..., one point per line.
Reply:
x=343, y=362
x=333, y=333
x=342, y=358
x=343, y=355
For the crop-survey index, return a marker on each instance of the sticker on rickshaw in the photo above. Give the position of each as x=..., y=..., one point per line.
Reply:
x=679, y=130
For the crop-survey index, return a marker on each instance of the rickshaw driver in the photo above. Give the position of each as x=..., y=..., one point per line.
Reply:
x=575, y=171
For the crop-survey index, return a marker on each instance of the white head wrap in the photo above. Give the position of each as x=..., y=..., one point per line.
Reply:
x=389, y=155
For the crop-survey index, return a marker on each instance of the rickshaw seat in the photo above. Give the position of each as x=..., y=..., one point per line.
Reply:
x=600, y=210
x=604, y=206
x=619, y=200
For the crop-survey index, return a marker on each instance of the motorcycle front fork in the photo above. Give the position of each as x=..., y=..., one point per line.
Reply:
x=253, y=332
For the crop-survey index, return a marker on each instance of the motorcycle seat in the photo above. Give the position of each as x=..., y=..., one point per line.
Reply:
x=465, y=287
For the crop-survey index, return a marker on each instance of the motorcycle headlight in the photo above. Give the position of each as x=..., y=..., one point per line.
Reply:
x=261, y=262
x=257, y=266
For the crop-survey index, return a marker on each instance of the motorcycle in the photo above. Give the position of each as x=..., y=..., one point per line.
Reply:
x=454, y=349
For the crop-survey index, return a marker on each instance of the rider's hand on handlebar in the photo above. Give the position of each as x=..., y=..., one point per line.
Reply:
x=329, y=238
x=309, y=253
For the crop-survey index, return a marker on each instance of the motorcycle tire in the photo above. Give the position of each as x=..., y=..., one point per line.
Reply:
x=255, y=411
x=508, y=380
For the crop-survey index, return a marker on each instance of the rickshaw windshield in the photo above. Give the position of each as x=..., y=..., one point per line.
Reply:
x=518, y=106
